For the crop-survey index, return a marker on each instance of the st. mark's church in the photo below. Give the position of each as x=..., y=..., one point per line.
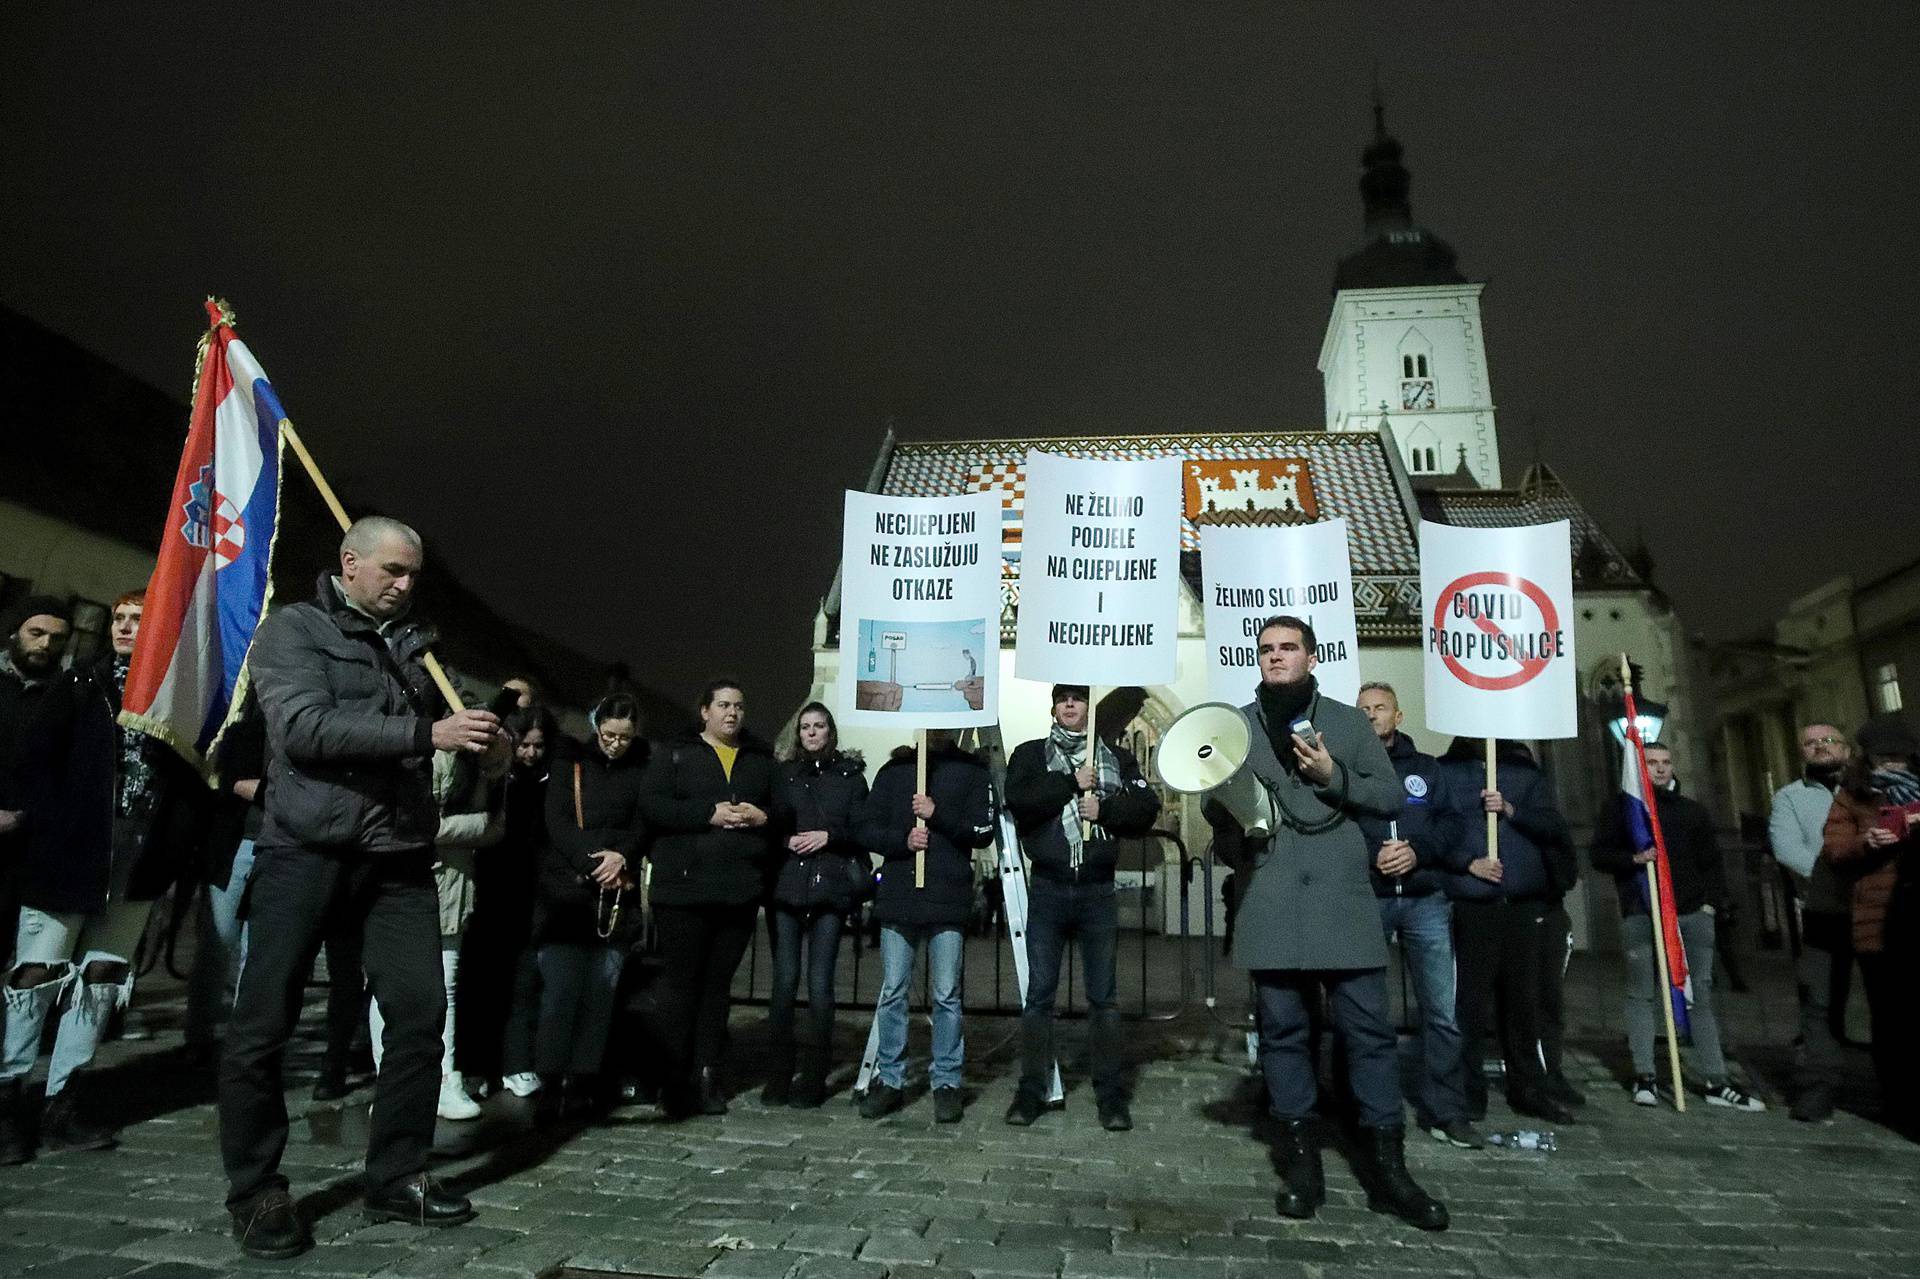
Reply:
x=1410, y=435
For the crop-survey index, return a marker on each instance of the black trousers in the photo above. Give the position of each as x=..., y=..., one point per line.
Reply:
x=1498, y=947
x=295, y=892
x=1556, y=934
x=700, y=948
x=1057, y=914
x=1357, y=1005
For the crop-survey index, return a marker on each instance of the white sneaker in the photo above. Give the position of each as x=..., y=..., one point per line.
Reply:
x=479, y=1087
x=524, y=1084
x=454, y=1102
x=1732, y=1098
x=1646, y=1092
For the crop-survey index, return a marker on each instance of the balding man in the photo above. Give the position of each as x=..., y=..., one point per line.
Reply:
x=352, y=724
x=1796, y=825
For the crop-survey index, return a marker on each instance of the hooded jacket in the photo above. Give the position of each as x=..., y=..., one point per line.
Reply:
x=962, y=821
x=1536, y=846
x=350, y=713
x=822, y=794
x=696, y=863
x=1429, y=819
x=1037, y=795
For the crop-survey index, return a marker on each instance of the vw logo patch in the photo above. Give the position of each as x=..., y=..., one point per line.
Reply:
x=1417, y=786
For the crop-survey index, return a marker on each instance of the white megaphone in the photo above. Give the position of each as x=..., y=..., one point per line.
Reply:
x=1204, y=752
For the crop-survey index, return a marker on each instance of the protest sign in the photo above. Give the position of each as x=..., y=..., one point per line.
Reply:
x=1251, y=573
x=1100, y=571
x=1497, y=630
x=920, y=611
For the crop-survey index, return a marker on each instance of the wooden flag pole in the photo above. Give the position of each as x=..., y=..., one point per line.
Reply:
x=292, y=437
x=920, y=788
x=1493, y=818
x=1665, y=980
x=1093, y=762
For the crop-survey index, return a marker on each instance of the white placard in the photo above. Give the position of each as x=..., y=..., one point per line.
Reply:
x=1100, y=571
x=1249, y=574
x=1497, y=630
x=920, y=611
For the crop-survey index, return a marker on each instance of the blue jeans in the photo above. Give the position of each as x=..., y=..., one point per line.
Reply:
x=1057, y=914
x=1357, y=1003
x=820, y=930
x=898, y=945
x=577, y=989
x=1425, y=928
x=221, y=952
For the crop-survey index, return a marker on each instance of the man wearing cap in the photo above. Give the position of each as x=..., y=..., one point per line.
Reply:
x=1071, y=808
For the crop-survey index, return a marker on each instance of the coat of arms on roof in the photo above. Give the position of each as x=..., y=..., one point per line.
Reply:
x=1282, y=485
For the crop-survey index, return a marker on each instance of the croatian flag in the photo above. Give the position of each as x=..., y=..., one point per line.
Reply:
x=1643, y=823
x=211, y=583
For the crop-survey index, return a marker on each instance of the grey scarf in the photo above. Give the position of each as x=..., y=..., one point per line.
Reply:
x=1066, y=752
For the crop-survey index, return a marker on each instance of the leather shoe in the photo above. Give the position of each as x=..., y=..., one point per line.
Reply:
x=270, y=1227
x=1541, y=1106
x=948, y=1105
x=1115, y=1117
x=419, y=1202
x=881, y=1100
x=1025, y=1109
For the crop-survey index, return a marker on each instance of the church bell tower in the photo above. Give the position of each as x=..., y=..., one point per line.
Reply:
x=1404, y=344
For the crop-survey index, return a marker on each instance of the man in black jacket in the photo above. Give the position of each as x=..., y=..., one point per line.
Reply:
x=35, y=635
x=1625, y=848
x=1071, y=810
x=352, y=724
x=1414, y=856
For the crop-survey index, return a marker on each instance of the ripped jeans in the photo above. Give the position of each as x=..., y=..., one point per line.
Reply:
x=69, y=947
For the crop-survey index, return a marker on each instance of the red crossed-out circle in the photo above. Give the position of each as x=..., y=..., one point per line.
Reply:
x=1549, y=620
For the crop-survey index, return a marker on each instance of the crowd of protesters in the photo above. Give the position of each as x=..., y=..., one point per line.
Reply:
x=478, y=884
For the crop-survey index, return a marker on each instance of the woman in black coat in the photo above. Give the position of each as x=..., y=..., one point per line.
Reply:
x=824, y=874
x=708, y=799
x=587, y=878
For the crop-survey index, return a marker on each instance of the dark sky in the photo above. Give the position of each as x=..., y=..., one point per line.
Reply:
x=613, y=304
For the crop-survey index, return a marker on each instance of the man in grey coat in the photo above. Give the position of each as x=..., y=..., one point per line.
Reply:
x=1308, y=922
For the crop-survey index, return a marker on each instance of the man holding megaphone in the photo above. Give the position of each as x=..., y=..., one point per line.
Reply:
x=1307, y=920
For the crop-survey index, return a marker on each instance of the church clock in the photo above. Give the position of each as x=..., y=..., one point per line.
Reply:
x=1416, y=394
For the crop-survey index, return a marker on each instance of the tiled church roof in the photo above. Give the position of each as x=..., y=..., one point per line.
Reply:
x=1541, y=499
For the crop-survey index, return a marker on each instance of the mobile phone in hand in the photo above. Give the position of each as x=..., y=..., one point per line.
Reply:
x=1303, y=727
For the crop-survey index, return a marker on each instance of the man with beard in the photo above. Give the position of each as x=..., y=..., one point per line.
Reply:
x=36, y=632
x=1308, y=924
x=105, y=830
x=1795, y=827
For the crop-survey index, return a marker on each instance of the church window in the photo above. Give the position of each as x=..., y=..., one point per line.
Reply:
x=1886, y=685
x=1420, y=366
x=1406, y=366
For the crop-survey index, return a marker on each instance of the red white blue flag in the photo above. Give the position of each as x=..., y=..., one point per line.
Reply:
x=212, y=580
x=1643, y=823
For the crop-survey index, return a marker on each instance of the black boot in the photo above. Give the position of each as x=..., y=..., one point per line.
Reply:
x=1305, y=1182
x=810, y=1088
x=63, y=1128
x=16, y=1147
x=713, y=1094
x=1391, y=1187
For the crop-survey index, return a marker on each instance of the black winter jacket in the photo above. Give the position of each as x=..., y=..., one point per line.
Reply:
x=19, y=704
x=73, y=776
x=1037, y=795
x=1693, y=854
x=962, y=821
x=507, y=879
x=821, y=794
x=1537, y=859
x=240, y=756
x=350, y=717
x=696, y=863
x=609, y=816
x=1430, y=819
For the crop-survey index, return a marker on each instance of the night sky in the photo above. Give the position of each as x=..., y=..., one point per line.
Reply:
x=613, y=304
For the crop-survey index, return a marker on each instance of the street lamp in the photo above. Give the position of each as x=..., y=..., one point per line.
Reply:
x=1651, y=716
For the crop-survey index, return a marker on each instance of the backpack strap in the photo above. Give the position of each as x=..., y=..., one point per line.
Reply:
x=579, y=817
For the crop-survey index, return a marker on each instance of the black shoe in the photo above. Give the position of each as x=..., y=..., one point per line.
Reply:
x=778, y=1092
x=1813, y=1106
x=1457, y=1133
x=1115, y=1117
x=1563, y=1092
x=332, y=1083
x=15, y=1145
x=1541, y=1106
x=713, y=1094
x=63, y=1128
x=948, y=1105
x=1025, y=1109
x=270, y=1227
x=1305, y=1182
x=880, y=1101
x=809, y=1090
x=419, y=1202
x=1393, y=1189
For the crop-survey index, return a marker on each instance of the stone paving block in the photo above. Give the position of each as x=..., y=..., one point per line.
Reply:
x=178, y=1270
x=960, y=1229
x=1186, y=1268
x=1149, y=1243
x=988, y=1259
x=835, y=1241
x=839, y=1268
x=900, y=1248
x=751, y=1263
x=88, y=1265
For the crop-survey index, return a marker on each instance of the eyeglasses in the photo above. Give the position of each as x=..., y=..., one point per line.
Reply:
x=1825, y=741
x=617, y=739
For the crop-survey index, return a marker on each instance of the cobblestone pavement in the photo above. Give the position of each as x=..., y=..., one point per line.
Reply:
x=782, y=1194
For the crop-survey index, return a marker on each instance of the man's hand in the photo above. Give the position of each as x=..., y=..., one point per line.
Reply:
x=1090, y=807
x=1083, y=777
x=917, y=839
x=10, y=819
x=1316, y=764
x=807, y=842
x=246, y=788
x=923, y=807
x=1395, y=857
x=471, y=730
x=1486, y=868
x=610, y=867
x=1493, y=801
x=1644, y=856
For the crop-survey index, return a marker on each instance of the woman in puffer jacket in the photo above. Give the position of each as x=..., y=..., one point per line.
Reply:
x=823, y=874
